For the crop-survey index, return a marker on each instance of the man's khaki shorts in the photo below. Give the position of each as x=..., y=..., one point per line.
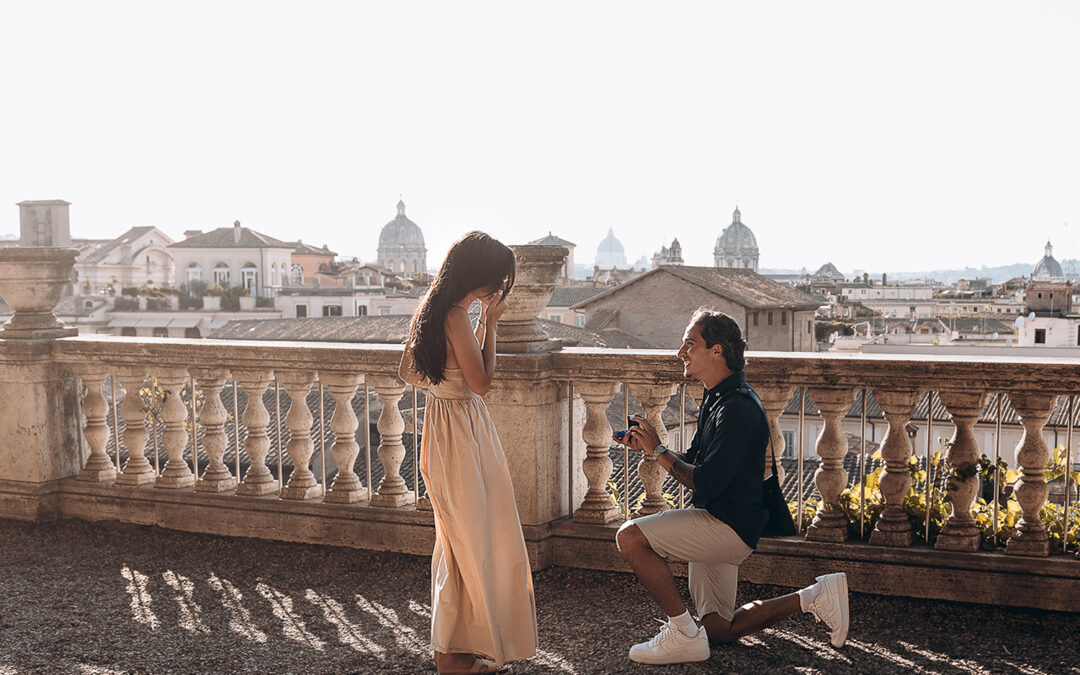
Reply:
x=710, y=547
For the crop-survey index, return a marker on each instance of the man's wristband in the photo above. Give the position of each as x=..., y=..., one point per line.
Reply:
x=660, y=449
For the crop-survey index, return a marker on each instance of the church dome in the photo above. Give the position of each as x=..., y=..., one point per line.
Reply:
x=736, y=237
x=610, y=252
x=1048, y=268
x=736, y=247
x=401, y=231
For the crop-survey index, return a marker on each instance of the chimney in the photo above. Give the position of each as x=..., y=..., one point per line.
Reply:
x=236, y=232
x=44, y=223
x=188, y=234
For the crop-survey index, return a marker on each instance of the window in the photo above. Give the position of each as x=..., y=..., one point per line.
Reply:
x=297, y=274
x=194, y=273
x=250, y=276
x=361, y=310
x=301, y=311
x=161, y=331
x=809, y=326
x=128, y=331
x=783, y=318
x=755, y=318
x=331, y=310
x=579, y=320
x=384, y=311
x=557, y=318
x=192, y=332
x=790, y=448
x=769, y=317
x=1040, y=336
x=221, y=275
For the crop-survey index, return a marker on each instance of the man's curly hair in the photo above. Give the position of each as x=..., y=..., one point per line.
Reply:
x=719, y=328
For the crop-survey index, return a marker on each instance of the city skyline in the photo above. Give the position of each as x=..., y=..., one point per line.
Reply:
x=920, y=138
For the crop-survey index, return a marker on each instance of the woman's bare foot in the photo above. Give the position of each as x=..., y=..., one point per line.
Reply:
x=448, y=664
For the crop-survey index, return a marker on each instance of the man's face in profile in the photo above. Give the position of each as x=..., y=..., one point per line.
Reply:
x=696, y=357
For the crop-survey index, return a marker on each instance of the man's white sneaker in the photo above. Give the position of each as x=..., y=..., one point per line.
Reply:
x=671, y=646
x=831, y=605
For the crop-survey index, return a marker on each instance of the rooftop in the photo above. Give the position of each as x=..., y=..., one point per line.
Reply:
x=746, y=287
x=225, y=237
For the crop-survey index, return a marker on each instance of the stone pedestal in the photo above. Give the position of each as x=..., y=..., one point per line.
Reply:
x=32, y=280
x=531, y=416
x=39, y=440
x=537, y=270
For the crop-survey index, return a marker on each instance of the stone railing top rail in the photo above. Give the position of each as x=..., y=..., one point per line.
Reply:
x=1050, y=375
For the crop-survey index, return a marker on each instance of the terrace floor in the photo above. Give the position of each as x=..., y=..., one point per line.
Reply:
x=89, y=598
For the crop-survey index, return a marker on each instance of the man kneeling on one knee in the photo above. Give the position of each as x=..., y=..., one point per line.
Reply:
x=725, y=467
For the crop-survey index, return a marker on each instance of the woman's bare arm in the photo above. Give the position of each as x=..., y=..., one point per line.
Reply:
x=477, y=364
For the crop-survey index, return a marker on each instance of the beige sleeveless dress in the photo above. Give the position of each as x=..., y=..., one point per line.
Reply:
x=481, y=584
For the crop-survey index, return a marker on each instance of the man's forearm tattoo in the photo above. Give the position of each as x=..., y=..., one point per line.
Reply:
x=683, y=472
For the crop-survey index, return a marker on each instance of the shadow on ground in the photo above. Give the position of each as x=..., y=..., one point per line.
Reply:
x=87, y=598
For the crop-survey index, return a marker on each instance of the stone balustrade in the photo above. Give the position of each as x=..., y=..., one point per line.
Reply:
x=551, y=412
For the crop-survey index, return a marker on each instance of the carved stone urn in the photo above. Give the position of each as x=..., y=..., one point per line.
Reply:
x=537, y=270
x=32, y=280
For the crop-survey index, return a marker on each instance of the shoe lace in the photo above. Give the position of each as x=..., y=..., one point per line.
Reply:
x=664, y=634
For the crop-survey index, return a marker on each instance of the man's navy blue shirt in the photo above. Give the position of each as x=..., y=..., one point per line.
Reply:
x=728, y=451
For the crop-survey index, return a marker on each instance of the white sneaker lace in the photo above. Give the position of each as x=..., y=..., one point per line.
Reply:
x=665, y=632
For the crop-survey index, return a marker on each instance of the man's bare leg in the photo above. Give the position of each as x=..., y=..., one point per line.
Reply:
x=751, y=618
x=651, y=569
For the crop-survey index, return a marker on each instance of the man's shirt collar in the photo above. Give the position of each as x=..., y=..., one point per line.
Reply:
x=733, y=381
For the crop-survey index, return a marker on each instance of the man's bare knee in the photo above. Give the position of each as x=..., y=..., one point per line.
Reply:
x=630, y=537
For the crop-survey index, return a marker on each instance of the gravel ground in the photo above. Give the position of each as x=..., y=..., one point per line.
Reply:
x=88, y=598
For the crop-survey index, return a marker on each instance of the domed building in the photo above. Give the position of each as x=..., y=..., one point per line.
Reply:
x=610, y=252
x=1048, y=269
x=736, y=247
x=401, y=246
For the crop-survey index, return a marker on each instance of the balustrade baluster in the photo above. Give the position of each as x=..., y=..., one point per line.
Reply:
x=597, y=506
x=392, y=492
x=346, y=488
x=216, y=477
x=99, y=467
x=302, y=482
x=137, y=470
x=653, y=399
x=176, y=474
x=960, y=532
x=774, y=398
x=1032, y=454
x=258, y=480
x=830, y=522
x=893, y=526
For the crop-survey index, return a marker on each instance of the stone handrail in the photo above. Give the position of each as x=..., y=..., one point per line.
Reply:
x=550, y=409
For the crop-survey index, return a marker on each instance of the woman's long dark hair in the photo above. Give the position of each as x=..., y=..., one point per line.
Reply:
x=474, y=261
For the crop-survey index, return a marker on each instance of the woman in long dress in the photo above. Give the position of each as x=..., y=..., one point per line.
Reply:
x=483, y=612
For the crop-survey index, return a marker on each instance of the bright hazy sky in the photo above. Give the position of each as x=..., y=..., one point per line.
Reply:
x=884, y=136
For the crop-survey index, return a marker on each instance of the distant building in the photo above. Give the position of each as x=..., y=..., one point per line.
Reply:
x=736, y=247
x=563, y=298
x=401, y=246
x=1048, y=269
x=138, y=257
x=44, y=223
x=308, y=262
x=668, y=256
x=610, y=253
x=233, y=256
x=655, y=306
